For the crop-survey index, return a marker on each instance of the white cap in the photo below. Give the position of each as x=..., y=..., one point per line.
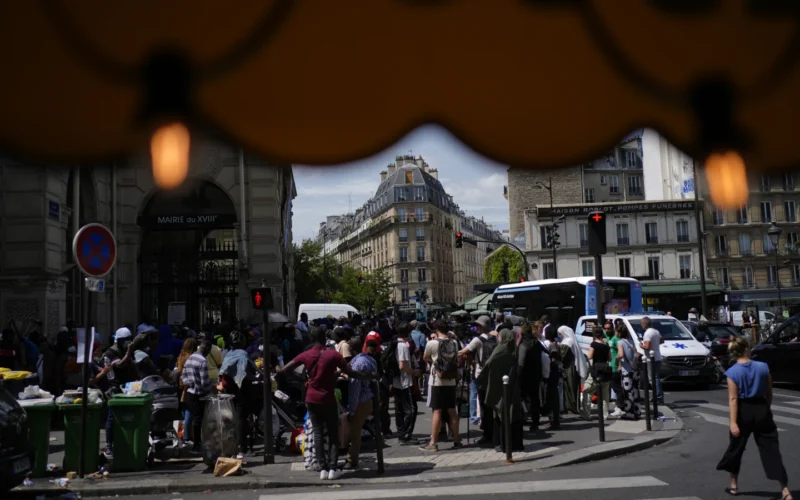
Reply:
x=122, y=333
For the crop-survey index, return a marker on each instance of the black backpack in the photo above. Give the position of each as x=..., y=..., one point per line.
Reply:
x=389, y=363
x=447, y=359
x=487, y=348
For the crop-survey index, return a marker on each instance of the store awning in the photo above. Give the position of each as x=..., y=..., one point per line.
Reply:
x=476, y=301
x=678, y=288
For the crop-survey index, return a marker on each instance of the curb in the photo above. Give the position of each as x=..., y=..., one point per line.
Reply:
x=151, y=486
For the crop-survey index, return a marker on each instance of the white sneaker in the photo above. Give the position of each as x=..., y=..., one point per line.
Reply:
x=323, y=475
x=617, y=413
x=335, y=474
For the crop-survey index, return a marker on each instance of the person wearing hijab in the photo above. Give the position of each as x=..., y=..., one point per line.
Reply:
x=553, y=384
x=576, y=369
x=502, y=362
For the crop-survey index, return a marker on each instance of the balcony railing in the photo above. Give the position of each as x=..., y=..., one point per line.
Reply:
x=651, y=240
x=746, y=253
x=723, y=252
x=623, y=241
x=584, y=243
x=683, y=238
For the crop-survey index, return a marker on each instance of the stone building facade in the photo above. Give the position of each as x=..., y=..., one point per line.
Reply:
x=523, y=195
x=182, y=255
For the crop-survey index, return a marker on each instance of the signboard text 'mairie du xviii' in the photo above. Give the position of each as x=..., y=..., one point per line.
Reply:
x=183, y=221
x=617, y=208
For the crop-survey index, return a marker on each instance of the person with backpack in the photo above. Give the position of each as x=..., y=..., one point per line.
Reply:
x=396, y=360
x=442, y=354
x=480, y=348
x=629, y=361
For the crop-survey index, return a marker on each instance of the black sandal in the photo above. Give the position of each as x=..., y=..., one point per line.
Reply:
x=732, y=491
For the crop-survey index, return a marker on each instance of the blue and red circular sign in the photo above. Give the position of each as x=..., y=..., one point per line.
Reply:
x=94, y=249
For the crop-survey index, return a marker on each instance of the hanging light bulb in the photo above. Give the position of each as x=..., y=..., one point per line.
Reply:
x=169, y=148
x=726, y=177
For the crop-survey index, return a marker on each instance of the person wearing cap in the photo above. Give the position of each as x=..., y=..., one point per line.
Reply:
x=475, y=348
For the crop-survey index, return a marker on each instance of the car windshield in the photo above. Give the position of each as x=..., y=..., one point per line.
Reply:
x=670, y=329
x=721, y=331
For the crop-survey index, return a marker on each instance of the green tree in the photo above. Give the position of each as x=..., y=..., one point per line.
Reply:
x=310, y=275
x=371, y=294
x=494, y=266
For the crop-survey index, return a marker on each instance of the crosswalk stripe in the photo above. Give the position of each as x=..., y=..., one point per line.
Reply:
x=797, y=403
x=777, y=418
x=674, y=498
x=783, y=395
x=481, y=489
x=716, y=419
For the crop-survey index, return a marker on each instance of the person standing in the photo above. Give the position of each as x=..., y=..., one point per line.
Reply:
x=652, y=340
x=442, y=354
x=749, y=399
x=612, y=339
x=553, y=390
x=361, y=396
x=480, y=347
x=626, y=356
x=198, y=385
x=503, y=362
x=405, y=405
x=600, y=356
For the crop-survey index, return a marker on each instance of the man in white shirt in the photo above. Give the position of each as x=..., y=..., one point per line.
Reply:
x=476, y=348
x=652, y=341
x=443, y=390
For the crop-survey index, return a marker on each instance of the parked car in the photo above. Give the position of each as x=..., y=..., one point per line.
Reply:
x=684, y=359
x=715, y=335
x=781, y=351
x=16, y=455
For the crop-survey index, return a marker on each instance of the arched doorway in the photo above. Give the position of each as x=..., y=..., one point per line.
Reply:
x=188, y=260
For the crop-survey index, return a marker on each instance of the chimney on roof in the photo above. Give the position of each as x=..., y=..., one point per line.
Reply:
x=383, y=175
x=434, y=173
x=421, y=163
x=391, y=168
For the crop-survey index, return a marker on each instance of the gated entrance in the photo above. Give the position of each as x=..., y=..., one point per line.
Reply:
x=189, y=254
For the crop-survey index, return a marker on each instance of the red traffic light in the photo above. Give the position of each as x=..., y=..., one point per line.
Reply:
x=257, y=298
x=458, y=235
x=522, y=280
x=597, y=217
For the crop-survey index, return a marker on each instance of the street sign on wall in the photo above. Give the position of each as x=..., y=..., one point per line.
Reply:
x=95, y=250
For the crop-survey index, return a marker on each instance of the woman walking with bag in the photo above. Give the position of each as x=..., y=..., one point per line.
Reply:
x=629, y=361
x=750, y=398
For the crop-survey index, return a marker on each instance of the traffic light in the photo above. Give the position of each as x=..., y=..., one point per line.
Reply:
x=261, y=298
x=459, y=240
x=597, y=233
x=359, y=278
x=554, y=236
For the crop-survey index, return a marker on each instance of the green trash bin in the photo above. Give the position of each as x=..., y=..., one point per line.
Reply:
x=40, y=414
x=72, y=436
x=131, y=416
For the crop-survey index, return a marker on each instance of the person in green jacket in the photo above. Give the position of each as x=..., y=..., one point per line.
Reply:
x=616, y=381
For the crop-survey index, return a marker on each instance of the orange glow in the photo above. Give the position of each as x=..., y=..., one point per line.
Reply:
x=169, y=148
x=726, y=176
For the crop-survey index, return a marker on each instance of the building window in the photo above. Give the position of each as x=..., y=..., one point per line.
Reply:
x=400, y=194
x=622, y=235
x=420, y=254
x=404, y=276
x=625, y=267
x=788, y=182
x=548, y=270
x=583, y=229
x=742, y=216
x=724, y=278
x=419, y=194
x=766, y=211
x=545, y=235
x=402, y=214
x=404, y=295
x=747, y=277
x=685, y=266
x=588, y=195
x=613, y=187
x=420, y=234
x=722, y=245
x=630, y=159
x=791, y=211
x=403, y=254
x=654, y=267
x=791, y=243
x=409, y=176
x=651, y=232
x=765, y=183
x=718, y=216
x=419, y=213
x=745, y=245
x=635, y=184
x=772, y=275
x=796, y=274
x=403, y=234
x=602, y=180
x=421, y=274
x=682, y=230
x=587, y=267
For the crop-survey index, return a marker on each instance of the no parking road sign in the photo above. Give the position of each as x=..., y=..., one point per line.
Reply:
x=95, y=250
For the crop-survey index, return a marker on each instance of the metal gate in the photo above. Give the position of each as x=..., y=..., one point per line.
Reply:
x=207, y=280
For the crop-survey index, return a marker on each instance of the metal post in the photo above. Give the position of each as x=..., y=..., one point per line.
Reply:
x=655, y=385
x=598, y=278
x=602, y=426
x=778, y=282
x=324, y=265
x=376, y=419
x=648, y=422
x=553, y=225
x=700, y=243
x=88, y=340
x=507, y=418
x=269, y=452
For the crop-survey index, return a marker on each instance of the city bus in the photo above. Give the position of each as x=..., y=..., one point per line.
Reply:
x=567, y=299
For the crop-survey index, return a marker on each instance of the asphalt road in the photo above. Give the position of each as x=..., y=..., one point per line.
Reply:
x=683, y=469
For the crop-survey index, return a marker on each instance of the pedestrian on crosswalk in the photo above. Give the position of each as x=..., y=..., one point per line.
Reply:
x=750, y=398
x=630, y=375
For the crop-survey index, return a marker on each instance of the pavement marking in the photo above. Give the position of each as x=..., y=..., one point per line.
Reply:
x=480, y=489
x=785, y=395
x=674, y=498
x=716, y=419
x=777, y=418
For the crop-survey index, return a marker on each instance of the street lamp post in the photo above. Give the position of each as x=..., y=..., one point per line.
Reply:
x=774, y=233
x=553, y=226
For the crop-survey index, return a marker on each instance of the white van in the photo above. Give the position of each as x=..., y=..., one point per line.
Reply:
x=683, y=358
x=765, y=319
x=316, y=311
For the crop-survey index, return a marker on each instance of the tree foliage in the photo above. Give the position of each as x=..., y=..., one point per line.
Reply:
x=494, y=265
x=368, y=296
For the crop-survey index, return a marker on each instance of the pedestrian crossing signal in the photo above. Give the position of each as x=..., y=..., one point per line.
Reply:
x=597, y=233
x=459, y=240
x=261, y=298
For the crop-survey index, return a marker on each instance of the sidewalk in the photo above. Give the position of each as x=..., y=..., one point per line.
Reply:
x=577, y=441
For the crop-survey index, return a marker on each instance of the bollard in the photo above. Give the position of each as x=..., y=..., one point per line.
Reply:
x=646, y=370
x=602, y=426
x=655, y=386
x=507, y=418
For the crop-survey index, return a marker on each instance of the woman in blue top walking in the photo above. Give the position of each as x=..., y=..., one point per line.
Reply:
x=750, y=398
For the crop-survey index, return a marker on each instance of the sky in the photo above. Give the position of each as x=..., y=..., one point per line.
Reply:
x=475, y=182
